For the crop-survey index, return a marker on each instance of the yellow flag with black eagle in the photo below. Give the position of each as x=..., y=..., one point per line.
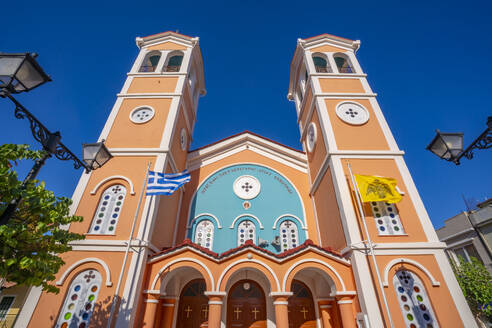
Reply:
x=377, y=189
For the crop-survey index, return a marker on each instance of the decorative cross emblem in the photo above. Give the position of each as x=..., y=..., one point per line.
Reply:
x=255, y=311
x=116, y=189
x=246, y=224
x=304, y=311
x=237, y=311
x=288, y=224
x=188, y=310
x=351, y=112
x=205, y=310
x=311, y=135
x=246, y=186
x=89, y=276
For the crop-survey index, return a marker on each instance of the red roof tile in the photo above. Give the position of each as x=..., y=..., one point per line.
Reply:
x=247, y=244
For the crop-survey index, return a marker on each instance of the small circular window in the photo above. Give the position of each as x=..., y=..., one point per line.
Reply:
x=141, y=115
x=183, y=139
x=352, y=113
x=246, y=187
x=311, y=136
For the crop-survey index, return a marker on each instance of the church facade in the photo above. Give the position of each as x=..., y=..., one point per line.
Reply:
x=263, y=235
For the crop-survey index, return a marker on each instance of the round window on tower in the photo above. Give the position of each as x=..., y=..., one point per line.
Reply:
x=311, y=136
x=183, y=140
x=352, y=113
x=142, y=114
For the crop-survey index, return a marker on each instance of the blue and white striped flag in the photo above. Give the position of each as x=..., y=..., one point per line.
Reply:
x=166, y=184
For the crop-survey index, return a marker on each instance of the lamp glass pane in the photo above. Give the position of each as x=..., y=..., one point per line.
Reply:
x=439, y=148
x=29, y=76
x=453, y=141
x=89, y=152
x=9, y=65
x=103, y=156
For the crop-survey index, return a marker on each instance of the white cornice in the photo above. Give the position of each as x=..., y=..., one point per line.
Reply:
x=150, y=40
x=246, y=140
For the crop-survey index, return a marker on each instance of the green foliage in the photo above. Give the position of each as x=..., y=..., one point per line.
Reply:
x=475, y=281
x=32, y=239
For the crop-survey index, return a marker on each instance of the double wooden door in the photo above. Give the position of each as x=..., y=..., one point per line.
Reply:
x=193, y=306
x=301, y=307
x=246, y=307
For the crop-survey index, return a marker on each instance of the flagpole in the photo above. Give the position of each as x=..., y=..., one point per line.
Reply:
x=120, y=278
x=371, y=246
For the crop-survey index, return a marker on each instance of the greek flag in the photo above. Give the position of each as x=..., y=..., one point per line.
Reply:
x=166, y=184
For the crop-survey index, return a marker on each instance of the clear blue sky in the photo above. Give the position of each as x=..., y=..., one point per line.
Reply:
x=429, y=63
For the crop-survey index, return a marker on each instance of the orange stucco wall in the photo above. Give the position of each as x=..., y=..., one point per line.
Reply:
x=327, y=48
x=341, y=85
x=298, y=179
x=318, y=155
x=368, y=136
x=131, y=167
x=179, y=155
x=49, y=305
x=440, y=297
x=167, y=46
x=307, y=106
x=408, y=215
x=126, y=134
x=165, y=84
x=328, y=214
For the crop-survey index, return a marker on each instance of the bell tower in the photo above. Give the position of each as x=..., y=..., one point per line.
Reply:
x=150, y=126
x=342, y=126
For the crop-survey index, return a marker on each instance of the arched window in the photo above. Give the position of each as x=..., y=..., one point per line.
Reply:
x=150, y=62
x=80, y=300
x=288, y=235
x=343, y=64
x=108, y=210
x=321, y=64
x=387, y=219
x=204, y=234
x=246, y=230
x=414, y=303
x=174, y=63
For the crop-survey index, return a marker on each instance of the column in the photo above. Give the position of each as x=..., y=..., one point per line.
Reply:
x=167, y=313
x=346, y=307
x=214, y=308
x=151, y=304
x=281, y=303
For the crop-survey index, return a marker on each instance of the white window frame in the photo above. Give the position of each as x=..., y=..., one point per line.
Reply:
x=11, y=304
x=255, y=233
x=387, y=219
x=212, y=237
x=108, y=215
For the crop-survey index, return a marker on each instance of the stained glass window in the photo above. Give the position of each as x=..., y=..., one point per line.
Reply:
x=246, y=230
x=204, y=234
x=150, y=62
x=288, y=235
x=414, y=302
x=108, y=210
x=387, y=219
x=79, y=303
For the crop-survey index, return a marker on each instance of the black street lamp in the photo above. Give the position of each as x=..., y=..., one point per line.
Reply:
x=21, y=73
x=449, y=146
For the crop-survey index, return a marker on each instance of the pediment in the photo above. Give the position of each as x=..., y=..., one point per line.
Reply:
x=247, y=141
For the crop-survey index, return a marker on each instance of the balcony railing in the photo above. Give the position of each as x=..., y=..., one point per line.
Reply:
x=172, y=68
x=323, y=69
x=346, y=69
x=146, y=68
x=7, y=321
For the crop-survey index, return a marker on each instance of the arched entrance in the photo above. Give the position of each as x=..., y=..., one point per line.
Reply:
x=246, y=307
x=193, y=305
x=301, y=307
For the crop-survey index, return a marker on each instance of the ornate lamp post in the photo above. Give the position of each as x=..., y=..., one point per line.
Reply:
x=449, y=146
x=21, y=73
